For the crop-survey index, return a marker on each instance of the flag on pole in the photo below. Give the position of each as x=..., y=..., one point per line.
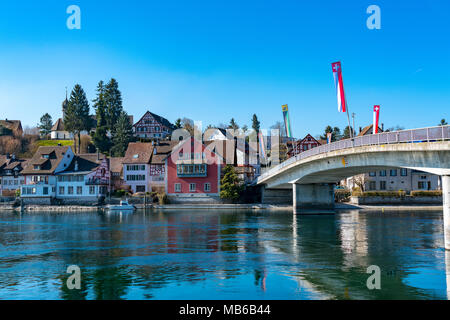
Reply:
x=376, y=117
x=287, y=121
x=339, y=83
x=262, y=150
x=328, y=137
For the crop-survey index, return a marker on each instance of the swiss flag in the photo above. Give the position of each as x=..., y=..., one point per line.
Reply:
x=376, y=118
x=339, y=84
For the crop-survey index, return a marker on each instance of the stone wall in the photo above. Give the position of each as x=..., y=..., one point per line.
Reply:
x=395, y=200
x=194, y=198
x=276, y=196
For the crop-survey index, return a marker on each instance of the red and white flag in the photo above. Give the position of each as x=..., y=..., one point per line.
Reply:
x=339, y=83
x=376, y=118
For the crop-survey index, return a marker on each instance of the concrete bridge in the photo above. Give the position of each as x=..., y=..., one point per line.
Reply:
x=312, y=174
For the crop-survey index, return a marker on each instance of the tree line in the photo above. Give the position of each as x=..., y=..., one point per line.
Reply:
x=110, y=128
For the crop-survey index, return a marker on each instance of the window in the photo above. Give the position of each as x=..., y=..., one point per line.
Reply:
x=79, y=190
x=37, y=167
x=393, y=172
x=91, y=189
x=140, y=188
x=177, y=187
x=69, y=190
x=383, y=173
x=422, y=185
x=372, y=174
x=191, y=187
x=382, y=185
x=45, y=190
x=207, y=187
x=61, y=190
x=191, y=170
x=372, y=185
x=403, y=172
x=423, y=177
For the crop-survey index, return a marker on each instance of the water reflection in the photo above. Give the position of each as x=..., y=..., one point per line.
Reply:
x=232, y=255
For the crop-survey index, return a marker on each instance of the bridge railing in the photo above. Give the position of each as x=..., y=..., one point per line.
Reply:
x=430, y=134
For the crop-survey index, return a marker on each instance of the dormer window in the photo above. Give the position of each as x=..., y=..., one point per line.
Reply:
x=45, y=156
x=136, y=156
x=37, y=167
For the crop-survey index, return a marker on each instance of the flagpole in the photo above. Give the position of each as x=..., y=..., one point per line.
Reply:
x=348, y=118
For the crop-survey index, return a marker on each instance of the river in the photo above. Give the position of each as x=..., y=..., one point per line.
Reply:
x=223, y=255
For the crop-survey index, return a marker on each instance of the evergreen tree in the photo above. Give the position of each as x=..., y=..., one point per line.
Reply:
x=45, y=125
x=76, y=117
x=122, y=136
x=178, y=124
x=100, y=105
x=233, y=125
x=230, y=186
x=255, y=123
x=113, y=102
x=347, y=132
x=335, y=133
x=100, y=137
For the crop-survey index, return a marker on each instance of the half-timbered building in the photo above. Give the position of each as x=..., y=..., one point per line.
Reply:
x=152, y=126
x=302, y=145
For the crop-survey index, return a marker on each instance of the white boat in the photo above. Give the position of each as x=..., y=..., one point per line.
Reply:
x=123, y=206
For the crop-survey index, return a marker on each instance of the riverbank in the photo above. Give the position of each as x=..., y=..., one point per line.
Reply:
x=254, y=206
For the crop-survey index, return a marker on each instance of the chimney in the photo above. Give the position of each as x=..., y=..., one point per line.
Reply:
x=155, y=151
x=76, y=165
x=382, y=127
x=8, y=156
x=360, y=129
x=13, y=156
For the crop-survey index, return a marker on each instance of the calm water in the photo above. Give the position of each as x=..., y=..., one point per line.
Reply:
x=200, y=255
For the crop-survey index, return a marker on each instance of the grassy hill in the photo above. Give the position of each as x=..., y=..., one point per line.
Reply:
x=51, y=143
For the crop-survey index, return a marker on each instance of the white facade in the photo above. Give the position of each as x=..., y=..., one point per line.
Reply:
x=44, y=185
x=395, y=179
x=74, y=186
x=137, y=176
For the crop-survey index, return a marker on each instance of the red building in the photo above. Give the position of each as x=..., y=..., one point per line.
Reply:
x=192, y=170
x=304, y=144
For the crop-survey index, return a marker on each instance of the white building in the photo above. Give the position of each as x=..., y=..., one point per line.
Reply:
x=11, y=173
x=56, y=173
x=394, y=179
x=39, y=175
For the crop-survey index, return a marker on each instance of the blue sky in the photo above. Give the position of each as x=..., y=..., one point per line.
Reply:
x=214, y=60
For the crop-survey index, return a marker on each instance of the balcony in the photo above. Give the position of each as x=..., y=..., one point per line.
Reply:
x=97, y=182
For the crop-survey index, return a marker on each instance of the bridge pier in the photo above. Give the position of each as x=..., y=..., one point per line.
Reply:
x=446, y=204
x=313, y=198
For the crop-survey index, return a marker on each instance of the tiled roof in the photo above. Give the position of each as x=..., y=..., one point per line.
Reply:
x=160, y=119
x=116, y=164
x=163, y=149
x=56, y=154
x=10, y=164
x=138, y=152
x=86, y=162
x=59, y=125
x=368, y=130
x=11, y=124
